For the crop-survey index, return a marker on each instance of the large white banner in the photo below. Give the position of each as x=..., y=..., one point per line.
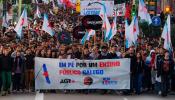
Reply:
x=82, y=74
x=93, y=7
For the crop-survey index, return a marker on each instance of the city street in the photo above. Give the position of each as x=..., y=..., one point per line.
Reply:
x=83, y=97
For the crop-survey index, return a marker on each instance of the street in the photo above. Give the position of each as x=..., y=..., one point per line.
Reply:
x=40, y=96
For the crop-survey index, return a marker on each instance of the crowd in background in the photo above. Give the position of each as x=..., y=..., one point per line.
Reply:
x=152, y=67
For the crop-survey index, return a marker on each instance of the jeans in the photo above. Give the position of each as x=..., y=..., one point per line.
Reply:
x=165, y=85
x=138, y=83
x=157, y=87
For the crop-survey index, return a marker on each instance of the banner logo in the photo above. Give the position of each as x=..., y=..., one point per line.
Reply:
x=109, y=81
x=88, y=81
x=67, y=81
x=46, y=74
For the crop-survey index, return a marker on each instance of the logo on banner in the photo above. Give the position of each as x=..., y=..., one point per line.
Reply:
x=67, y=81
x=46, y=74
x=88, y=81
x=109, y=81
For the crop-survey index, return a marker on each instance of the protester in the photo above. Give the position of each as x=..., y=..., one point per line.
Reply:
x=139, y=67
x=6, y=73
x=165, y=71
x=29, y=70
x=132, y=56
x=17, y=72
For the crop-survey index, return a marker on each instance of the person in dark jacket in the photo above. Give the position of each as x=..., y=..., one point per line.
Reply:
x=104, y=53
x=17, y=71
x=113, y=54
x=164, y=71
x=6, y=71
x=139, y=67
x=29, y=70
x=132, y=56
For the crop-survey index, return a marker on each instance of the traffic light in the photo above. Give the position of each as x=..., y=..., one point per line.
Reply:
x=133, y=10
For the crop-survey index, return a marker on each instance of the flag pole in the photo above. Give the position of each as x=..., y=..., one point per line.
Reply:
x=19, y=8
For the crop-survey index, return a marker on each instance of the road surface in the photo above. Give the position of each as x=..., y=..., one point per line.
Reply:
x=53, y=96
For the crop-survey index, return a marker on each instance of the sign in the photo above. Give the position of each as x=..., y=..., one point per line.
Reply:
x=120, y=9
x=82, y=74
x=92, y=22
x=79, y=32
x=93, y=7
x=156, y=21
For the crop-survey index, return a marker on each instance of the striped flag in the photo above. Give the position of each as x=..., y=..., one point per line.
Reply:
x=21, y=23
x=87, y=36
x=143, y=12
x=131, y=32
x=106, y=25
x=113, y=30
x=166, y=35
x=38, y=13
x=47, y=27
x=128, y=40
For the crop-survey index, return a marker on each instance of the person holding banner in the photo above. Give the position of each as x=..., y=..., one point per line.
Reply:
x=132, y=56
x=95, y=53
x=104, y=53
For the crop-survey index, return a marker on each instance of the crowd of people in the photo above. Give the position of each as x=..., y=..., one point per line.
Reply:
x=152, y=67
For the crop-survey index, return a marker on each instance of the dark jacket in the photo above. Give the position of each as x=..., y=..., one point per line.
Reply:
x=18, y=62
x=159, y=61
x=107, y=56
x=29, y=62
x=113, y=56
x=139, y=67
x=7, y=63
x=132, y=63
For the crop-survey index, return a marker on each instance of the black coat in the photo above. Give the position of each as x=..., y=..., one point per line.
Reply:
x=107, y=56
x=132, y=63
x=139, y=67
x=7, y=63
x=15, y=64
x=29, y=62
